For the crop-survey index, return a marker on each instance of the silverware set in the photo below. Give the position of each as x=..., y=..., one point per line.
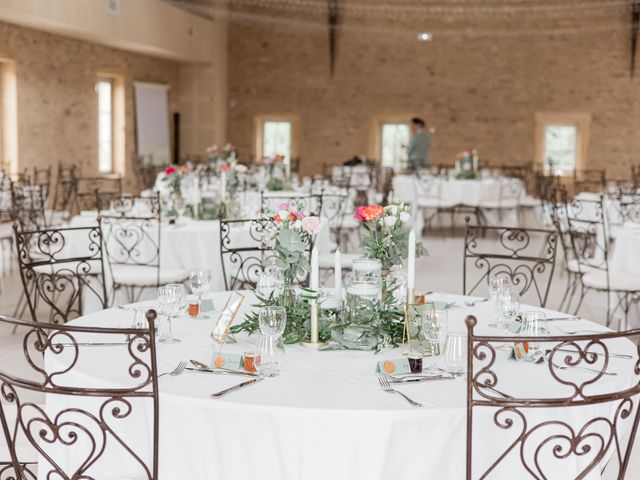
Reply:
x=473, y=303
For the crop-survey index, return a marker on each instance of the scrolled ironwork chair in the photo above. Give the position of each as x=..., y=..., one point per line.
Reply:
x=270, y=202
x=28, y=204
x=132, y=239
x=88, y=189
x=246, y=249
x=526, y=255
x=589, y=232
x=537, y=430
x=61, y=269
x=82, y=432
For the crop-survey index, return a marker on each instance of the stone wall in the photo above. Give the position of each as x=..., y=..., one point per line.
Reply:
x=57, y=101
x=477, y=92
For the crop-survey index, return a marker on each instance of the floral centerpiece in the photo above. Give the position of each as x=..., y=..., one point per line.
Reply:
x=233, y=171
x=215, y=153
x=386, y=237
x=276, y=172
x=173, y=176
x=467, y=164
x=294, y=231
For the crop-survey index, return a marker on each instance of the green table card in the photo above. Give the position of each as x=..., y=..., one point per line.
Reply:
x=394, y=366
x=206, y=305
x=229, y=361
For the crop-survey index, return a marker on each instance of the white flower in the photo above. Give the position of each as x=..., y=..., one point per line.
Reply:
x=390, y=221
x=283, y=214
x=392, y=209
x=405, y=217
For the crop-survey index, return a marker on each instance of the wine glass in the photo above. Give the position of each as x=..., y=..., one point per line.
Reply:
x=269, y=284
x=200, y=281
x=172, y=299
x=270, y=358
x=498, y=283
x=454, y=358
x=508, y=305
x=431, y=333
x=181, y=206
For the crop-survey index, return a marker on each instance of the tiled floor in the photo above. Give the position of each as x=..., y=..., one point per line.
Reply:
x=441, y=271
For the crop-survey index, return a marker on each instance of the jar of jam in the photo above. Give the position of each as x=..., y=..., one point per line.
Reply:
x=249, y=359
x=193, y=305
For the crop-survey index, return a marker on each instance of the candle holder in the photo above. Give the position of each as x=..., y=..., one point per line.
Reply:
x=314, y=341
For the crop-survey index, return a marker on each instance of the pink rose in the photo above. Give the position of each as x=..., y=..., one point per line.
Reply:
x=311, y=224
x=284, y=206
x=298, y=214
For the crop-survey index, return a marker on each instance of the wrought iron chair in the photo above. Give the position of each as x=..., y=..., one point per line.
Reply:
x=536, y=431
x=6, y=229
x=80, y=433
x=526, y=255
x=590, y=242
x=90, y=187
x=589, y=180
x=65, y=192
x=270, y=202
x=28, y=203
x=246, y=249
x=132, y=246
x=61, y=268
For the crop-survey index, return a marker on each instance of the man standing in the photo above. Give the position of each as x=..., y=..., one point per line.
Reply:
x=418, y=149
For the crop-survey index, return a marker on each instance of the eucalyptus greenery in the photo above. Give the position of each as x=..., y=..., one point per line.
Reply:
x=385, y=326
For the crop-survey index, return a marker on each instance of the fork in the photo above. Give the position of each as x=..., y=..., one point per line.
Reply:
x=176, y=371
x=384, y=384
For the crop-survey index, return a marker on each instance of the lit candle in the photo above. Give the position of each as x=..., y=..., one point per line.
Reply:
x=338, y=273
x=314, y=280
x=411, y=262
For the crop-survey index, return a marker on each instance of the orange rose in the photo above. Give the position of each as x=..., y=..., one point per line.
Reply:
x=372, y=212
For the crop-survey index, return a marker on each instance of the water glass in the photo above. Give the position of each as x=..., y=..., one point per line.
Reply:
x=431, y=327
x=270, y=283
x=200, y=282
x=270, y=358
x=500, y=282
x=454, y=358
x=172, y=300
x=534, y=325
x=508, y=307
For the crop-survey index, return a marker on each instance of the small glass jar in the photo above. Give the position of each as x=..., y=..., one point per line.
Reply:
x=193, y=305
x=415, y=363
x=249, y=362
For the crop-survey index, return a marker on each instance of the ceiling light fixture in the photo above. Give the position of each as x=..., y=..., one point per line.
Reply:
x=425, y=36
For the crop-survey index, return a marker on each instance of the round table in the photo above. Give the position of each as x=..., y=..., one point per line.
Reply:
x=325, y=416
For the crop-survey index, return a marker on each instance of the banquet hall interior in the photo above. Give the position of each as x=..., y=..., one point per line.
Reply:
x=312, y=239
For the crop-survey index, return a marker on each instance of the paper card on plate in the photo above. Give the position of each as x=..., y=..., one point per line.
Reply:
x=394, y=366
x=230, y=361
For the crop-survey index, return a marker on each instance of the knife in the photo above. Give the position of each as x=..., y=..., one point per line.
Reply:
x=222, y=372
x=236, y=387
x=611, y=355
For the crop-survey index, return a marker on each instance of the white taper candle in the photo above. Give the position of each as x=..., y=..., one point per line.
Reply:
x=315, y=273
x=411, y=262
x=337, y=271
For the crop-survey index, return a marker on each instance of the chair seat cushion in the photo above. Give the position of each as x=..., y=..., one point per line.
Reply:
x=6, y=230
x=618, y=281
x=498, y=204
x=574, y=267
x=147, y=276
x=529, y=202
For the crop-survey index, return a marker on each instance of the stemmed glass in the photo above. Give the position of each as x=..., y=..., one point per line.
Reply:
x=270, y=356
x=508, y=306
x=499, y=283
x=270, y=283
x=181, y=207
x=431, y=325
x=200, y=281
x=172, y=300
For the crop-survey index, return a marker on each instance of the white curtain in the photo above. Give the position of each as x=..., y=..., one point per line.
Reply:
x=152, y=122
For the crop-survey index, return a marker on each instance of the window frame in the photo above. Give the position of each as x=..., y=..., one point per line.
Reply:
x=580, y=120
x=260, y=120
x=375, y=132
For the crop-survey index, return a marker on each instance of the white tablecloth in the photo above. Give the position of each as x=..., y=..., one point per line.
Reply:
x=325, y=416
